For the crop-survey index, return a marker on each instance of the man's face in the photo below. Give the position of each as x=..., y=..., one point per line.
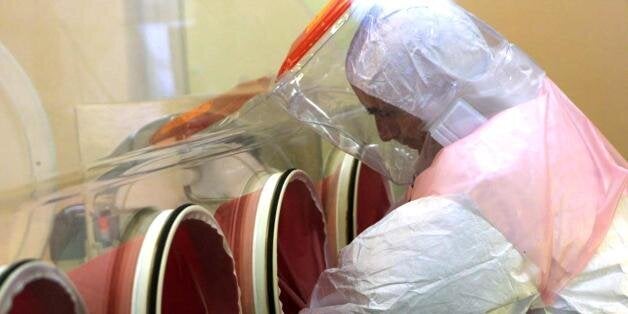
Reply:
x=393, y=123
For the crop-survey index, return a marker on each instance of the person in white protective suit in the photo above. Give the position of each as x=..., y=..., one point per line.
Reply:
x=518, y=202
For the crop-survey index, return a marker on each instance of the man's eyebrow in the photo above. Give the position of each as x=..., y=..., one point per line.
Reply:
x=372, y=110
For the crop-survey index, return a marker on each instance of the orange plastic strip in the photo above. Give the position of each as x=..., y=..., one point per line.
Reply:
x=210, y=112
x=313, y=32
x=196, y=120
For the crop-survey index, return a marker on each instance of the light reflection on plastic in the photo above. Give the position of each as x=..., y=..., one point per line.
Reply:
x=156, y=39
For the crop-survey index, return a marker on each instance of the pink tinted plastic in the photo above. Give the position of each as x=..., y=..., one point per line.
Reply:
x=301, y=246
x=313, y=32
x=327, y=190
x=106, y=282
x=544, y=176
x=42, y=296
x=200, y=274
x=373, y=199
x=237, y=220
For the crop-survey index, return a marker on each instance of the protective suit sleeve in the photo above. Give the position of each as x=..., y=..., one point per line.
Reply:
x=431, y=254
x=437, y=256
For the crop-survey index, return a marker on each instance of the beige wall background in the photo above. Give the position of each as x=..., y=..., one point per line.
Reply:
x=229, y=42
x=581, y=44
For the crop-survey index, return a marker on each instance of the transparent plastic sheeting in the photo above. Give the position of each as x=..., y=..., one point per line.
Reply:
x=90, y=68
x=101, y=223
x=94, y=226
x=99, y=241
x=393, y=82
x=106, y=187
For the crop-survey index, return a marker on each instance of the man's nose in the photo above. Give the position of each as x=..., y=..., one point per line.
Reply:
x=387, y=129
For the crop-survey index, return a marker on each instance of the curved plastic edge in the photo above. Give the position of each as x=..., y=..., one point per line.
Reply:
x=151, y=262
x=273, y=276
x=343, y=208
x=353, y=216
x=313, y=32
x=28, y=108
x=261, y=237
x=16, y=276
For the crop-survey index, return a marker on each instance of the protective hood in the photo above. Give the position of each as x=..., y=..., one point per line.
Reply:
x=377, y=77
